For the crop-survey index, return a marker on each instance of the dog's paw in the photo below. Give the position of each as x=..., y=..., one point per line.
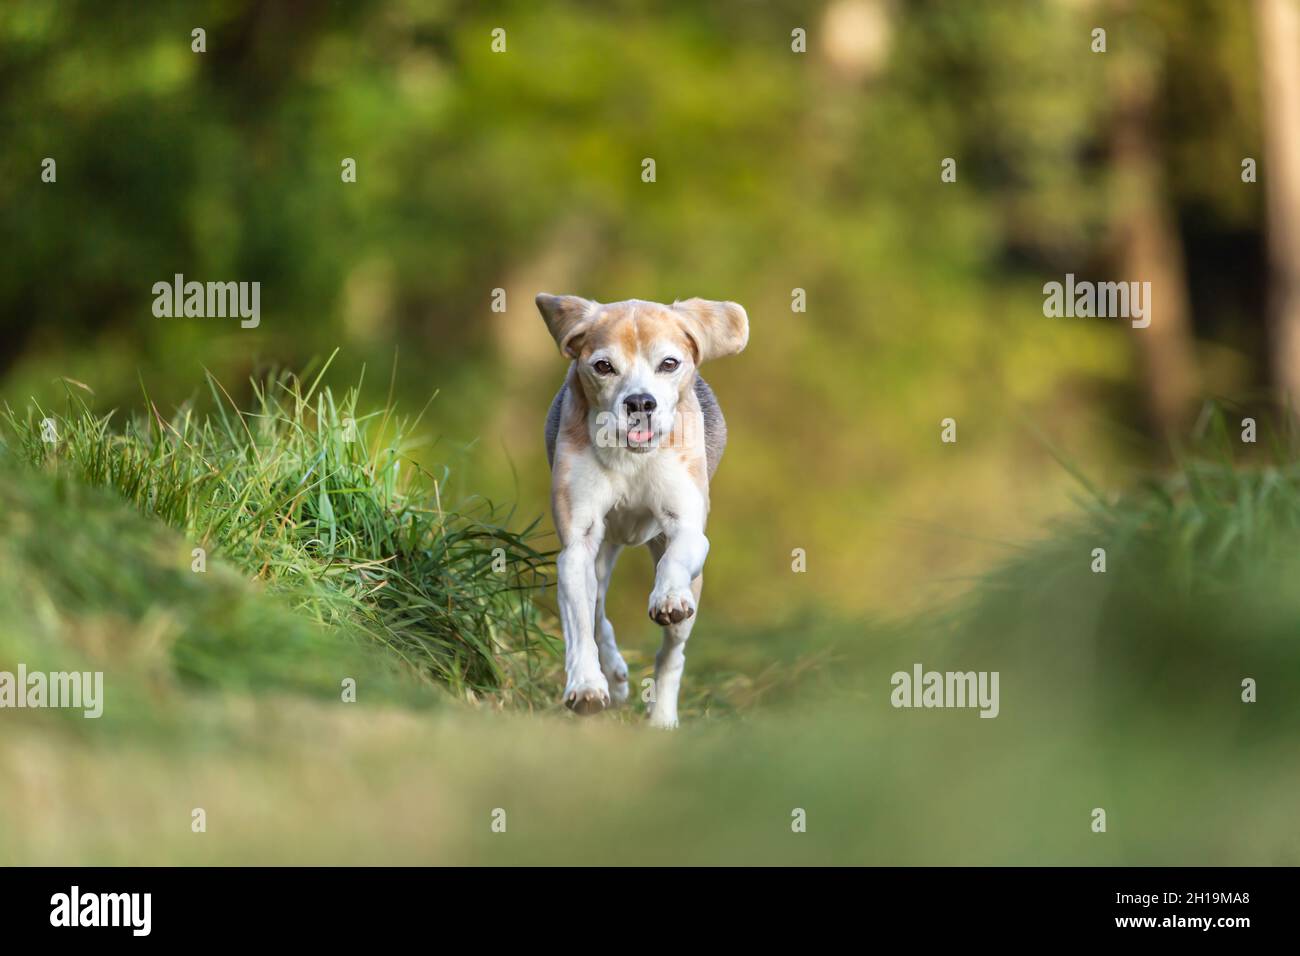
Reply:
x=587, y=696
x=618, y=687
x=671, y=607
x=662, y=721
x=614, y=668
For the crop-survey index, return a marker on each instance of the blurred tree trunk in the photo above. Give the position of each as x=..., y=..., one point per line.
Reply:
x=1147, y=245
x=1279, y=42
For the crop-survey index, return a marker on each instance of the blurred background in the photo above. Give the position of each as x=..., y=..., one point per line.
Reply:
x=797, y=146
x=775, y=171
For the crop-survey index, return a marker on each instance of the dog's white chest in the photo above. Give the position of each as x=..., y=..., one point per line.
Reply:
x=637, y=493
x=641, y=493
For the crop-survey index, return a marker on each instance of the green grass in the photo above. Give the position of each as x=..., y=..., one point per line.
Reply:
x=89, y=584
x=319, y=504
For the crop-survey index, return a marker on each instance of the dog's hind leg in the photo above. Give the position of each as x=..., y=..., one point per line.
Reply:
x=612, y=664
x=671, y=659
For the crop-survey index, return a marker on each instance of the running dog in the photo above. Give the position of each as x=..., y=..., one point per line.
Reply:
x=633, y=439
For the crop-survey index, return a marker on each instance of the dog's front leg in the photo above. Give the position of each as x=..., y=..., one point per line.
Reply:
x=586, y=691
x=682, y=561
x=679, y=566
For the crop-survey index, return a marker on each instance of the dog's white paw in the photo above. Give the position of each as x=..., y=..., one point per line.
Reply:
x=587, y=695
x=671, y=606
x=662, y=721
x=618, y=688
x=613, y=666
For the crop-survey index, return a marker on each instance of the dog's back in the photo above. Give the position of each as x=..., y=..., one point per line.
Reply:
x=715, y=426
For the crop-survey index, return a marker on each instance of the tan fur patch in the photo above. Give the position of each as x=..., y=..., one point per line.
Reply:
x=561, y=502
x=695, y=467
x=629, y=328
x=573, y=418
x=572, y=438
x=691, y=443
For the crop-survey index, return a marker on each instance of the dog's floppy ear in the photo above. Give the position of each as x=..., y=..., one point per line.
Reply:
x=716, y=329
x=568, y=317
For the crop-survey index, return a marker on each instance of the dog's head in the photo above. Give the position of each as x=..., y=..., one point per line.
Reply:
x=636, y=360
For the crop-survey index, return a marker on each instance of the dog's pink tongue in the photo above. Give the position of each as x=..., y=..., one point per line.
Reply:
x=639, y=434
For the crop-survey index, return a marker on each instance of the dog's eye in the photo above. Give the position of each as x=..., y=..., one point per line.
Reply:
x=669, y=365
x=603, y=368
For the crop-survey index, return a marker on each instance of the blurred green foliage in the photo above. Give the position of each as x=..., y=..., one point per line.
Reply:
x=521, y=170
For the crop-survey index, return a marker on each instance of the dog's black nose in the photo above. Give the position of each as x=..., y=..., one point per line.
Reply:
x=642, y=403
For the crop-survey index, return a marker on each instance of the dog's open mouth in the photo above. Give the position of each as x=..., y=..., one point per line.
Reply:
x=639, y=432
